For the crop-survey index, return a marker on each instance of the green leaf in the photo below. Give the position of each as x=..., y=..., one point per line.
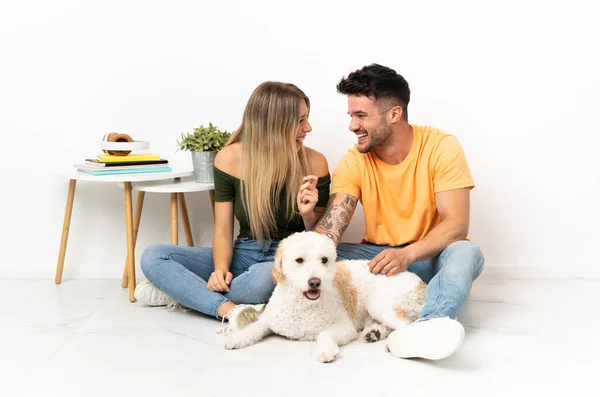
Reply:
x=209, y=138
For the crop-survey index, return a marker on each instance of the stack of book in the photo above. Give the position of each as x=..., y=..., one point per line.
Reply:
x=107, y=164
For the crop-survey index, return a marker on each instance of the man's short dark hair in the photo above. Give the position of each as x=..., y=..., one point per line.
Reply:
x=379, y=83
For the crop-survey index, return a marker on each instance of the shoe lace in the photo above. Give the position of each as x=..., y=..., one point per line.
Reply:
x=176, y=306
x=226, y=327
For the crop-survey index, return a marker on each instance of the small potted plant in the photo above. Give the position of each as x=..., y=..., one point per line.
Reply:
x=204, y=143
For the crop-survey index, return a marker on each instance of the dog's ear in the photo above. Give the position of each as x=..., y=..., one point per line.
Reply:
x=277, y=273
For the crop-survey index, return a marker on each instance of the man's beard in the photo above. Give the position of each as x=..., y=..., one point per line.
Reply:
x=376, y=140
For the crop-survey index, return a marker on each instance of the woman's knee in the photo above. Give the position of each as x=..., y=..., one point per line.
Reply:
x=152, y=256
x=262, y=282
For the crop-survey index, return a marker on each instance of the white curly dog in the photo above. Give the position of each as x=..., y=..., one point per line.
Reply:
x=317, y=298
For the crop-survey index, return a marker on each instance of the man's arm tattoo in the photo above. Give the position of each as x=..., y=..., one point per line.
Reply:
x=336, y=217
x=326, y=220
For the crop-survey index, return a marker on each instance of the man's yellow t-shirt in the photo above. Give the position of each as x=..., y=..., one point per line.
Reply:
x=399, y=200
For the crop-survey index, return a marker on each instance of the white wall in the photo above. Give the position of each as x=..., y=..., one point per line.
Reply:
x=517, y=82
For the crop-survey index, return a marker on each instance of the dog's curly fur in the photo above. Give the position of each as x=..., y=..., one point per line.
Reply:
x=349, y=299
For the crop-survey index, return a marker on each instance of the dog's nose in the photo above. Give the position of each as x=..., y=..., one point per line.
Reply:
x=314, y=282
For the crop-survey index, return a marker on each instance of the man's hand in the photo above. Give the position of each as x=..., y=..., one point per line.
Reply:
x=219, y=281
x=391, y=261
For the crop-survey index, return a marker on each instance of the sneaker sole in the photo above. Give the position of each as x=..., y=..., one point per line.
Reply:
x=426, y=342
x=245, y=317
x=137, y=293
x=249, y=316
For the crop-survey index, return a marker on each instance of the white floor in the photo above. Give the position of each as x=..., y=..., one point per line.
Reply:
x=525, y=337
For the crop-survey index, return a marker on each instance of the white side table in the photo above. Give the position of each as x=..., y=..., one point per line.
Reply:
x=126, y=179
x=176, y=188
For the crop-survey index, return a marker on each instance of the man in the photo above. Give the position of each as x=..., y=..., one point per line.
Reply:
x=414, y=185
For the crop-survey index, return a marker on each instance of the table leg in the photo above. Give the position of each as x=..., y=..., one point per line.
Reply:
x=211, y=193
x=65, y=232
x=130, y=243
x=136, y=225
x=186, y=220
x=174, y=227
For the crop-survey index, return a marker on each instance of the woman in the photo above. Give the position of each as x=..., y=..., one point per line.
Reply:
x=274, y=185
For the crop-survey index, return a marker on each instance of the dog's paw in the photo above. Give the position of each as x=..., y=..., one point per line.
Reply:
x=372, y=336
x=374, y=333
x=235, y=341
x=326, y=352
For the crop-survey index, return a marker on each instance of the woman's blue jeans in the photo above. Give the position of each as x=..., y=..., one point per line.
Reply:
x=183, y=272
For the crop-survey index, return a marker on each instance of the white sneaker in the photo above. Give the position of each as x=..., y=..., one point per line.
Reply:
x=433, y=339
x=241, y=316
x=149, y=294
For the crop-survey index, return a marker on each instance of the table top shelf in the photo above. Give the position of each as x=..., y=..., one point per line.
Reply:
x=183, y=185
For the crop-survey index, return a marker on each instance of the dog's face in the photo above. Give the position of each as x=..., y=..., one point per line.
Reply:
x=305, y=261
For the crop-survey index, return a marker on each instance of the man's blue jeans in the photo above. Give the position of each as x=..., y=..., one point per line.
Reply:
x=183, y=272
x=449, y=275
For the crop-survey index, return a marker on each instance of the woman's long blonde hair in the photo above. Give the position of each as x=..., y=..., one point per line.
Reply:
x=271, y=163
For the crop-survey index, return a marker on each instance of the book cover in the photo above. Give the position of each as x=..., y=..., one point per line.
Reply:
x=109, y=158
x=100, y=163
x=129, y=171
x=94, y=167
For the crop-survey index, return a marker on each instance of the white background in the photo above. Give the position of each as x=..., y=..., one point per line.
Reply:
x=516, y=81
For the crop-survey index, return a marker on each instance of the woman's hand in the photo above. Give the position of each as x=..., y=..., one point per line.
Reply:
x=308, y=195
x=219, y=281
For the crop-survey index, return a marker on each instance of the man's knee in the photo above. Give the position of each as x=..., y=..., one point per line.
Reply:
x=466, y=253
